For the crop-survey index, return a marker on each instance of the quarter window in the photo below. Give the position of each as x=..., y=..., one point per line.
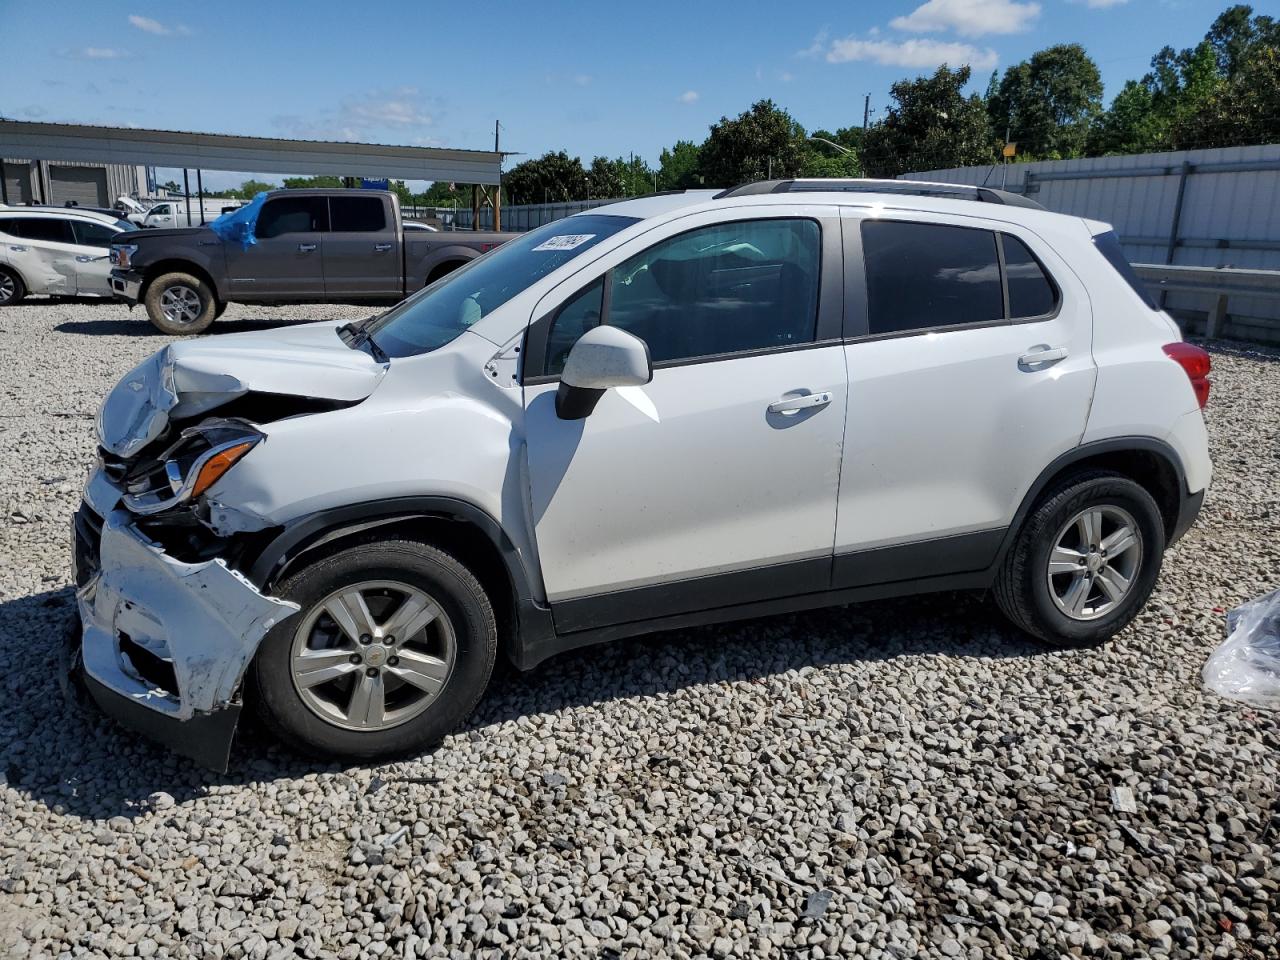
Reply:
x=575, y=318
x=292, y=215
x=922, y=275
x=1031, y=292
x=357, y=214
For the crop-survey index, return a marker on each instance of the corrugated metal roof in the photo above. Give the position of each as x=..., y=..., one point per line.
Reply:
x=219, y=151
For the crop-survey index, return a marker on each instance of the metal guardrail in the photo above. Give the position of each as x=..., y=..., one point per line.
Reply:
x=1221, y=282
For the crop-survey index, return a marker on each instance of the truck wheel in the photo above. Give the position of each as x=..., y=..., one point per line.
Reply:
x=11, y=288
x=180, y=304
x=391, y=650
x=1084, y=562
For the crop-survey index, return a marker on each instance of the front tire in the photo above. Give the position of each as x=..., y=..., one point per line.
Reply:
x=12, y=289
x=180, y=304
x=392, y=649
x=1084, y=562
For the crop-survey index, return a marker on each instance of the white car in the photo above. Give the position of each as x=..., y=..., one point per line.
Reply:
x=58, y=251
x=669, y=411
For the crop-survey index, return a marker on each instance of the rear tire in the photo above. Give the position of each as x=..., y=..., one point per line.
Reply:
x=180, y=304
x=458, y=643
x=1104, y=576
x=12, y=289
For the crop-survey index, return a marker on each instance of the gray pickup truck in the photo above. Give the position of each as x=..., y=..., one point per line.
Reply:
x=312, y=245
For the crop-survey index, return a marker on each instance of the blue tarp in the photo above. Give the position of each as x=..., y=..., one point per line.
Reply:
x=238, y=225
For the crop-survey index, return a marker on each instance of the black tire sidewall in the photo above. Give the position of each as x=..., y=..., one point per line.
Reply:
x=19, y=288
x=208, y=304
x=1050, y=622
x=447, y=581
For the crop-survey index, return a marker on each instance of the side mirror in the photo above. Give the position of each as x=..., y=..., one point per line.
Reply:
x=603, y=357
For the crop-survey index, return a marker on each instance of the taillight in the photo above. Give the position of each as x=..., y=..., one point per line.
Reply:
x=1196, y=364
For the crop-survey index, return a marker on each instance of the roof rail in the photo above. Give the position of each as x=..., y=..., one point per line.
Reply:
x=915, y=188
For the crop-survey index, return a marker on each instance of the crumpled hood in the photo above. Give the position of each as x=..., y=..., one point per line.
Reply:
x=193, y=376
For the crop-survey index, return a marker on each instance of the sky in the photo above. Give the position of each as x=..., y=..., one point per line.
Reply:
x=557, y=75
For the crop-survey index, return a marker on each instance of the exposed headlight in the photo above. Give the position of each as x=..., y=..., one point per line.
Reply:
x=191, y=466
x=121, y=254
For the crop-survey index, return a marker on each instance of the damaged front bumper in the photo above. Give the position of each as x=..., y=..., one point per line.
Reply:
x=126, y=285
x=165, y=643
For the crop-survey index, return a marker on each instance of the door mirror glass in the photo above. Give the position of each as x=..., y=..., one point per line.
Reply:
x=603, y=357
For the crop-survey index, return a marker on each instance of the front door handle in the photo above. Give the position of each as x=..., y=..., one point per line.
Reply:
x=306, y=247
x=790, y=405
x=1041, y=355
x=382, y=247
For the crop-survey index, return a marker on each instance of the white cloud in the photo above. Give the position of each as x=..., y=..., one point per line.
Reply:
x=689, y=96
x=147, y=25
x=970, y=18
x=1101, y=4
x=101, y=53
x=911, y=53
x=582, y=80
x=786, y=76
x=819, y=44
x=402, y=110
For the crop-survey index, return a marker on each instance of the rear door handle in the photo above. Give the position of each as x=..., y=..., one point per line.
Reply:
x=380, y=247
x=1036, y=356
x=306, y=247
x=796, y=404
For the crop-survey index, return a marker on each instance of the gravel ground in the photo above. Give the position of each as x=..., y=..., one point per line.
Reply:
x=899, y=779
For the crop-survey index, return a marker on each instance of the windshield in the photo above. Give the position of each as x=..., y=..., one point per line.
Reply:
x=441, y=312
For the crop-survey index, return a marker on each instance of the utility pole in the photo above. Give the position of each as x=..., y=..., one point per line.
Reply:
x=497, y=191
x=866, y=110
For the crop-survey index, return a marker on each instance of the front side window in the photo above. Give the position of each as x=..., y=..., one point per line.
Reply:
x=292, y=215
x=357, y=214
x=93, y=234
x=734, y=287
x=48, y=229
x=922, y=275
x=162, y=210
x=441, y=312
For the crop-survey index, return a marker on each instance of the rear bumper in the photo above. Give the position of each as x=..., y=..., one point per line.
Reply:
x=164, y=643
x=126, y=285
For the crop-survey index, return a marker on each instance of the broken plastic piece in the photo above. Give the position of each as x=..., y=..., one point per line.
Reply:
x=1246, y=666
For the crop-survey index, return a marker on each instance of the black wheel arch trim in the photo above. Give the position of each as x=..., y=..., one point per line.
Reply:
x=296, y=538
x=1188, y=503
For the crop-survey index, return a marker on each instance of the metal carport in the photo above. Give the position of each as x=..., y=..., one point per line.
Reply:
x=217, y=151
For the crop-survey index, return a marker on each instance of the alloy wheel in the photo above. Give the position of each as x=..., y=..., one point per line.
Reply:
x=180, y=304
x=373, y=655
x=1095, y=560
x=8, y=288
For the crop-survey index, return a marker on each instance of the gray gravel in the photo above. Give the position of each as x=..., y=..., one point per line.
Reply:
x=900, y=779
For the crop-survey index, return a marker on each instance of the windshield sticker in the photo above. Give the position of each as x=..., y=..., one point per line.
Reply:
x=568, y=241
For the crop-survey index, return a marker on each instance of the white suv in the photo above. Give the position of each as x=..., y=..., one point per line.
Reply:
x=674, y=410
x=57, y=251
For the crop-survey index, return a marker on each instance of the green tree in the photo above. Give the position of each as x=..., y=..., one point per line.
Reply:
x=1048, y=102
x=249, y=189
x=607, y=178
x=552, y=178
x=171, y=186
x=930, y=124
x=821, y=159
x=679, y=167
x=1130, y=125
x=302, y=183
x=762, y=142
x=1242, y=110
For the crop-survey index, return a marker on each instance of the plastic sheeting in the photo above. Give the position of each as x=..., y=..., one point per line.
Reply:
x=238, y=225
x=1247, y=665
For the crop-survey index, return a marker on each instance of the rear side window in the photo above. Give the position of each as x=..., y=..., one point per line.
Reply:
x=292, y=215
x=49, y=229
x=922, y=275
x=1108, y=245
x=1031, y=292
x=357, y=214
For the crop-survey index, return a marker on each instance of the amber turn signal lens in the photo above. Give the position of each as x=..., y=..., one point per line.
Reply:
x=219, y=464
